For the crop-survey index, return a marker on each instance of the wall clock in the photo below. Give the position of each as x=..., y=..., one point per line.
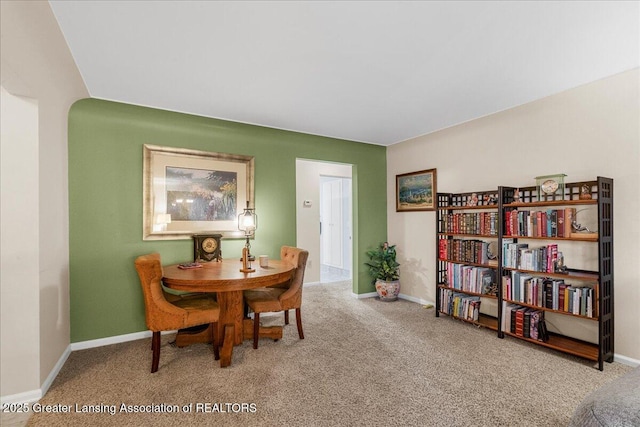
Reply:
x=207, y=247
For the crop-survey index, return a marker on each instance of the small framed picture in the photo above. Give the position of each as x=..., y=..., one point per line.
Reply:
x=416, y=191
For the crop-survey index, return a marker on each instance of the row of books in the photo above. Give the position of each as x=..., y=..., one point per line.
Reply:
x=524, y=322
x=485, y=223
x=469, y=278
x=475, y=251
x=545, y=258
x=455, y=304
x=547, y=223
x=549, y=293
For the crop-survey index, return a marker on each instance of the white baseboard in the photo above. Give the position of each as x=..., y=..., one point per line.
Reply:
x=416, y=300
x=83, y=345
x=35, y=395
x=24, y=397
x=400, y=296
x=367, y=295
x=626, y=360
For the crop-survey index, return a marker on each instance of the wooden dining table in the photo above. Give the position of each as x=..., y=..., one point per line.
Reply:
x=227, y=281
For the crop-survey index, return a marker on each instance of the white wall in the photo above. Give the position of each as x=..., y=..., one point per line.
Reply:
x=308, y=218
x=19, y=261
x=589, y=131
x=36, y=63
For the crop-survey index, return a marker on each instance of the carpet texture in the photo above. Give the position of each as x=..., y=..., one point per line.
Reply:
x=362, y=363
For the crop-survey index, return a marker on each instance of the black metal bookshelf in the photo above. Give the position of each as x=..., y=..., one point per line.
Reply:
x=596, y=194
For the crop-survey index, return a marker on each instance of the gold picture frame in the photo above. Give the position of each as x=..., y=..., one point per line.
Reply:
x=187, y=192
x=416, y=191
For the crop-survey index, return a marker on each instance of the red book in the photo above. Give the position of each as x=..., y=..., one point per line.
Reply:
x=539, y=224
x=520, y=321
x=443, y=248
x=561, y=295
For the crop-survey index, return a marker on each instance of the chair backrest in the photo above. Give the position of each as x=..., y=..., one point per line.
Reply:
x=160, y=314
x=292, y=297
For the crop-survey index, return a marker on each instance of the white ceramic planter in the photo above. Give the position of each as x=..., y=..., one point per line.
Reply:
x=388, y=291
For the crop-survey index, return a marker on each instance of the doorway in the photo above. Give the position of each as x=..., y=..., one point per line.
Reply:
x=335, y=229
x=324, y=194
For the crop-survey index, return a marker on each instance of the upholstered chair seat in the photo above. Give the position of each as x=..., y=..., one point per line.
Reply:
x=265, y=300
x=166, y=312
x=283, y=297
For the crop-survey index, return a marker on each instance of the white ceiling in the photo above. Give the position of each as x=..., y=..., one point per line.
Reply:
x=376, y=72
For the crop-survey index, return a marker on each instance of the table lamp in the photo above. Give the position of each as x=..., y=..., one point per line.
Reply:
x=247, y=222
x=161, y=222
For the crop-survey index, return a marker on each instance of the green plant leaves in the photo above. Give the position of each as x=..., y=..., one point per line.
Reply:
x=382, y=263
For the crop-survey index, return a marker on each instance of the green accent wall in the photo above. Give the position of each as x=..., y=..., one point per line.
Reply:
x=105, y=201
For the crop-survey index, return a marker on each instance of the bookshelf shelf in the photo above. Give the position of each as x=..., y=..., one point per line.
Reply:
x=466, y=207
x=572, y=238
x=550, y=310
x=551, y=203
x=571, y=274
x=494, y=266
x=483, y=320
x=467, y=227
x=441, y=286
x=566, y=345
x=487, y=236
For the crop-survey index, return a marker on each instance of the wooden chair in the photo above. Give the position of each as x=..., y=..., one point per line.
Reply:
x=167, y=312
x=280, y=298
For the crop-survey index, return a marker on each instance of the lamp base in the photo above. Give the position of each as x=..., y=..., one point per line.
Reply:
x=246, y=259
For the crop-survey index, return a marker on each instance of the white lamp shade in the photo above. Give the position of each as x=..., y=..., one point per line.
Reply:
x=163, y=219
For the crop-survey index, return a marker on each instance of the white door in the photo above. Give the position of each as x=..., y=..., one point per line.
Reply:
x=331, y=223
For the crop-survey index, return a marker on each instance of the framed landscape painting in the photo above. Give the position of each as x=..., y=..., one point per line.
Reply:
x=416, y=191
x=188, y=192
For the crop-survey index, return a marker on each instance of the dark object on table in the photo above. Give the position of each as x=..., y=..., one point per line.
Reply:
x=189, y=265
x=207, y=247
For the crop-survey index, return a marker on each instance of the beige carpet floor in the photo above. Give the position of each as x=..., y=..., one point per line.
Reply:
x=362, y=363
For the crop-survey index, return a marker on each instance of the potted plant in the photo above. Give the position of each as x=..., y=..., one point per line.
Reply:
x=385, y=271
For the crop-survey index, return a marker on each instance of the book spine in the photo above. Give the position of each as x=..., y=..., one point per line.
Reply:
x=520, y=322
x=526, y=326
x=561, y=226
x=535, y=318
